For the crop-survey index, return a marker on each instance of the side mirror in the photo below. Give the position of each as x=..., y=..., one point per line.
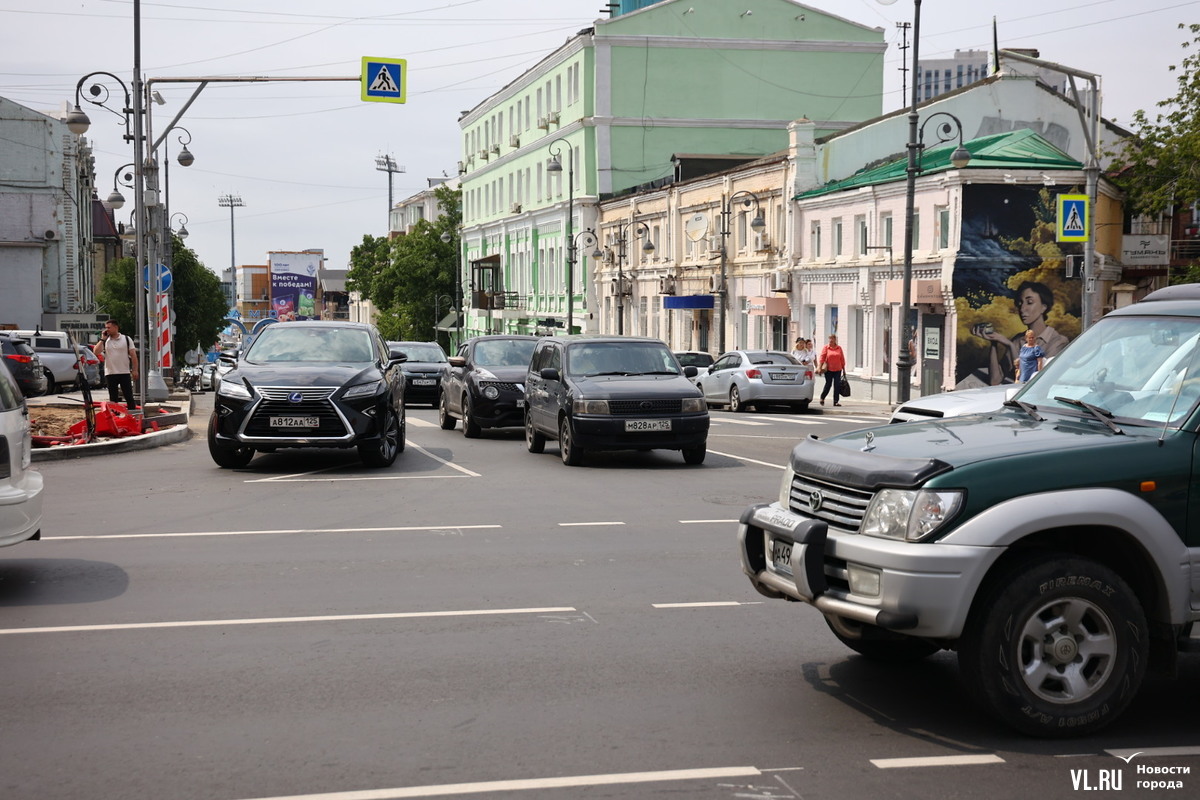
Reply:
x=457, y=361
x=549, y=374
x=690, y=372
x=712, y=368
x=227, y=358
x=397, y=356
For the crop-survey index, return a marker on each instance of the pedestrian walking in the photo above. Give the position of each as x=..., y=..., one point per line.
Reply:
x=120, y=359
x=832, y=364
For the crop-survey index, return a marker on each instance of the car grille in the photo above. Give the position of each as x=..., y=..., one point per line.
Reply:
x=314, y=402
x=633, y=407
x=504, y=387
x=839, y=507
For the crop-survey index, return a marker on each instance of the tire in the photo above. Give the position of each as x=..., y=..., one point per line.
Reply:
x=51, y=386
x=534, y=442
x=471, y=428
x=1020, y=653
x=801, y=407
x=383, y=451
x=735, y=400
x=571, y=454
x=444, y=418
x=878, y=644
x=695, y=455
x=226, y=457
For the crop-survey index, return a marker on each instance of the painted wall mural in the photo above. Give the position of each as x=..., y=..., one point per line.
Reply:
x=1009, y=277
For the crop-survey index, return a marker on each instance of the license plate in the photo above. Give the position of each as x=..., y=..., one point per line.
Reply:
x=520, y=402
x=783, y=376
x=295, y=422
x=781, y=556
x=632, y=425
x=424, y=381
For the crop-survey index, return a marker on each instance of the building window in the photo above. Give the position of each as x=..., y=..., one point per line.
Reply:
x=744, y=326
x=860, y=234
x=943, y=222
x=916, y=230
x=860, y=336
x=837, y=237
x=814, y=235
x=885, y=225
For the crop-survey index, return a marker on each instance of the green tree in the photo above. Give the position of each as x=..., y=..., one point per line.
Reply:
x=406, y=276
x=198, y=301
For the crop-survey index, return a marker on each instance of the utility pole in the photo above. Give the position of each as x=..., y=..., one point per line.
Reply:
x=904, y=26
x=231, y=201
x=388, y=164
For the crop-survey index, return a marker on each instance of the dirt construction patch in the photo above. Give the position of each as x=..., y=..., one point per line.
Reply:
x=57, y=420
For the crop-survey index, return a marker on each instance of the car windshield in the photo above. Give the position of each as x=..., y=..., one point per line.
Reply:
x=762, y=357
x=419, y=352
x=1138, y=369
x=285, y=343
x=504, y=352
x=620, y=358
x=694, y=359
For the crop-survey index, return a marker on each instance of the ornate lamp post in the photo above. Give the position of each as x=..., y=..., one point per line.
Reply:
x=555, y=165
x=447, y=238
x=639, y=229
x=181, y=231
x=758, y=225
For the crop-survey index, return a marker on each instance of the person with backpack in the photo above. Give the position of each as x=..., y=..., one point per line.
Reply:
x=120, y=359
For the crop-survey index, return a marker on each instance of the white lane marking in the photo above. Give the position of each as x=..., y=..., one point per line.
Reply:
x=936, y=761
x=210, y=623
x=421, y=423
x=710, y=604
x=704, y=521
x=794, y=421
x=277, y=531
x=739, y=421
x=565, y=782
x=585, y=524
x=748, y=460
x=1151, y=752
x=298, y=477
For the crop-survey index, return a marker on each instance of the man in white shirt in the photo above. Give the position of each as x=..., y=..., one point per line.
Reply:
x=120, y=359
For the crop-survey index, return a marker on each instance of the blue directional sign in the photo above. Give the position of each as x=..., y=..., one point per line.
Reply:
x=164, y=277
x=1073, y=222
x=384, y=80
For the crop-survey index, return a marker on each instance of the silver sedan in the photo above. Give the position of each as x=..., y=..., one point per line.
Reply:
x=757, y=378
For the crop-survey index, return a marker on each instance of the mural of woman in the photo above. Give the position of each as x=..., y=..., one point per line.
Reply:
x=1033, y=303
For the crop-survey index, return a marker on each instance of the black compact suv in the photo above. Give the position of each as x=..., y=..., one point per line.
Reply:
x=612, y=393
x=311, y=384
x=423, y=365
x=483, y=385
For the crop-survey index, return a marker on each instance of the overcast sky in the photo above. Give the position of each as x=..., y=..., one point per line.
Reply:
x=302, y=156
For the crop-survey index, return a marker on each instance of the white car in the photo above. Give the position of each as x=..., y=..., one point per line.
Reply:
x=955, y=404
x=20, y=486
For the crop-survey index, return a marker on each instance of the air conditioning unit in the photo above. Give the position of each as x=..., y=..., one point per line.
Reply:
x=50, y=236
x=714, y=244
x=666, y=285
x=515, y=208
x=483, y=154
x=715, y=284
x=622, y=286
x=543, y=123
x=552, y=117
x=514, y=141
x=462, y=168
x=781, y=281
x=762, y=241
x=496, y=149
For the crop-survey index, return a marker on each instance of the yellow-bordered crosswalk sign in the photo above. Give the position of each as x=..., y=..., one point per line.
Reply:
x=1073, y=221
x=384, y=80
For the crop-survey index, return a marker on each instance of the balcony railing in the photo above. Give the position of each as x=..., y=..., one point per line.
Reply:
x=486, y=301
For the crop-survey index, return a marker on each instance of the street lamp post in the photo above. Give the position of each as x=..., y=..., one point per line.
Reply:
x=388, y=164
x=447, y=238
x=555, y=165
x=232, y=201
x=758, y=225
x=437, y=314
x=916, y=144
x=639, y=229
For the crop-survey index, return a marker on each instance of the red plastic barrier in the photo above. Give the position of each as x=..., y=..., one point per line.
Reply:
x=112, y=419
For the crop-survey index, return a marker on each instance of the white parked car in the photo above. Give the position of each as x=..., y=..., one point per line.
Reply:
x=20, y=486
x=758, y=378
x=955, y=404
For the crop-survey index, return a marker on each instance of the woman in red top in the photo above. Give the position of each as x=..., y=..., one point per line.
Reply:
x=834, y=362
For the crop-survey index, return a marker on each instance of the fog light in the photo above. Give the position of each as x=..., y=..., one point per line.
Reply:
x=863, y=581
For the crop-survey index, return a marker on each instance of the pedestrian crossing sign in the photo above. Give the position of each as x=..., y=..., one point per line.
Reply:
x=1073, y=221
x=384, y=79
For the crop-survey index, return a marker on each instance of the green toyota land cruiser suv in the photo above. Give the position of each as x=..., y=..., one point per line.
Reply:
x=1054, y=543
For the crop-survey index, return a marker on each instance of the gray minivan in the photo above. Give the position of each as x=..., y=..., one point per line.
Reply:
x=612, y=393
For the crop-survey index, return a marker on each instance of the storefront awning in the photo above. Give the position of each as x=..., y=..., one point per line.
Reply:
x=688, y=301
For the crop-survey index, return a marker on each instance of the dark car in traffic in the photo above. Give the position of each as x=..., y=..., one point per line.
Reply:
x=423, y=365
x=612, y=393
x=483, y=384
x=311, y=384
x=24, y=365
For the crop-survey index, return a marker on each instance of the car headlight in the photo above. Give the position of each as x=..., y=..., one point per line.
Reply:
x=909, y=515
x=693, y=405
x=363, y=390
x=785, y=488
x=233, y=389
x=490, y=392
x=582, y=406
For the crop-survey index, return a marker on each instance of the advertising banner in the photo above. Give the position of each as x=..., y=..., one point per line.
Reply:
x=294, y=285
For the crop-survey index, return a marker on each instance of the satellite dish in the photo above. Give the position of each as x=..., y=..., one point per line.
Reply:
x=696, y=228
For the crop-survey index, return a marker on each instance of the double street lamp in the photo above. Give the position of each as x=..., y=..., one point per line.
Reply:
x=555, y=165
x=758, y=225
x=639, y=229
x=947, y=129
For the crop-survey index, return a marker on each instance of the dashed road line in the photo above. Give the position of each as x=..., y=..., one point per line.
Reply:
x=936, y=761
x=586, y=524
x=301, y=477
x=748, y=460
x=707, y=604
x=277, y=531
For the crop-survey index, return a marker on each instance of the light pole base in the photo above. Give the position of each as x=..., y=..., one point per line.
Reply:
x=156, y=387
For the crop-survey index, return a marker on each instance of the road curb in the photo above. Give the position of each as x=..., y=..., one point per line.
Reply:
x=129, y=444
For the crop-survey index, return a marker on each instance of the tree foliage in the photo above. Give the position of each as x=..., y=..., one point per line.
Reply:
x=198, y=301
x=411, y=279
x=1161, y=163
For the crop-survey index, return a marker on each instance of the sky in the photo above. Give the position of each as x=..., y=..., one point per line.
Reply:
x=302, y=155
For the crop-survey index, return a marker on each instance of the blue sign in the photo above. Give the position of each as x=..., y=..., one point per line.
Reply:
x=164, y=277
x=384, y=79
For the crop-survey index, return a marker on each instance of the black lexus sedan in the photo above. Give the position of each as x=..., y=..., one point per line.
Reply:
x=484, y=384
x=311, y=384
x=423, y=366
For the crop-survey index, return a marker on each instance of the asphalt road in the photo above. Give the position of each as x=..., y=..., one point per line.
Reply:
x=476, y=621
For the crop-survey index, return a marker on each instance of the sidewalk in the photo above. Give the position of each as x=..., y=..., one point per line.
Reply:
x=851, y=406
x=125, y=444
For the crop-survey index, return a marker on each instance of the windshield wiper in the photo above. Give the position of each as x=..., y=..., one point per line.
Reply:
x=1102, y=414
x=602, y=374
x=1028, y=408
x=656, y=372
